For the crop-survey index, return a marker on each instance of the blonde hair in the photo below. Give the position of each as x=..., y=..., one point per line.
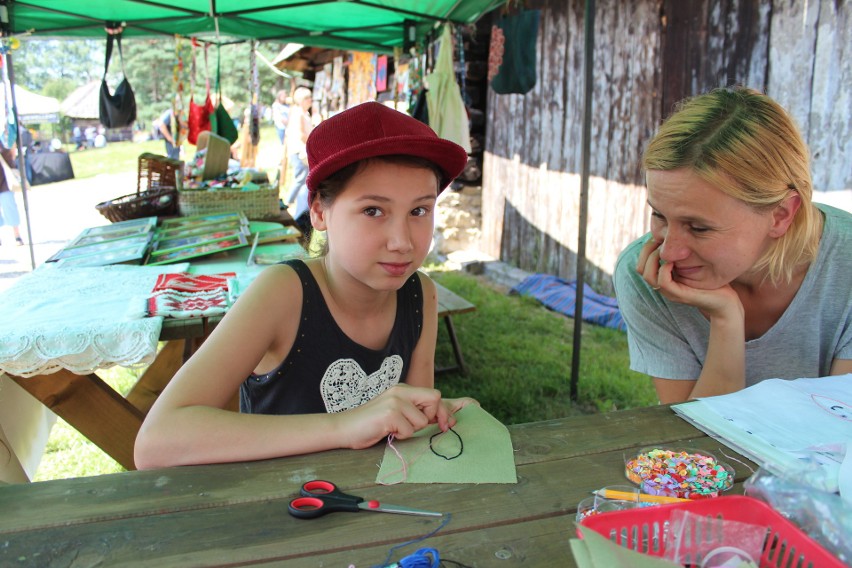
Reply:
x=301, y=94
x=744, y=143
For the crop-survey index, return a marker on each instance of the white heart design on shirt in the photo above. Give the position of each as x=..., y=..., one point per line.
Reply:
x=345, y=385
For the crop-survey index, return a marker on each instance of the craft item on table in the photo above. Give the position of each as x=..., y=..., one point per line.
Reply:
x=189, y=295
x=560, y=296
x=276, y=253
x=120, y=243
x=250, y=260
x=597, y=551
x=798, y=428
x=641, y=497
x=212, y=247
x=271, y=232
x=238, y=285
x=477, y=450
x=163, y=246
x=676, y=472
x=199, y=220
x=78, y=319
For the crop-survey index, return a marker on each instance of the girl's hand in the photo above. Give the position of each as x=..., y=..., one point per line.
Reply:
x=401, y=410
x=453, y=405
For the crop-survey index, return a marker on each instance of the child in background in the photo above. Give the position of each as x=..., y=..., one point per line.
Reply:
x=336, y=351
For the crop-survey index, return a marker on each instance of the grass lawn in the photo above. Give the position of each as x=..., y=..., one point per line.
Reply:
x=518, y=353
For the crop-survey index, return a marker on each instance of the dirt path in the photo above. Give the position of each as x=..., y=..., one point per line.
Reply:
x=58, y=212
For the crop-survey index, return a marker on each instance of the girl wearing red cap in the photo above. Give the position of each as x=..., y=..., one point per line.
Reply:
x=337, y=351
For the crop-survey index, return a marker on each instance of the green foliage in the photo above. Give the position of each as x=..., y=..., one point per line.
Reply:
x=59, y=88
x=38, y=61
x=519, y=358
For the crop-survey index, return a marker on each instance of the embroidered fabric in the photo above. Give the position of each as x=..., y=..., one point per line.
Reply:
x=78, y=318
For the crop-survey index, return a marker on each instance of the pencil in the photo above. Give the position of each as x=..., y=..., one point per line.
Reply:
x=644, y=497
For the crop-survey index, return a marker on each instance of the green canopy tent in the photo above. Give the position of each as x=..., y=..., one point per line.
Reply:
x=365, y=25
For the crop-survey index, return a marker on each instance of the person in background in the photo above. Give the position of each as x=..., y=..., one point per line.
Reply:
x=742, y=278
x=77, y=138
x=295, y=344
x=165, y=125
x=8, y=206
x=280, y=114
x=90, y=133
x=299, y=128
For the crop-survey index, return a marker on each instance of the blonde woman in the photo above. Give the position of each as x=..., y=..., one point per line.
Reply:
x=742, y=277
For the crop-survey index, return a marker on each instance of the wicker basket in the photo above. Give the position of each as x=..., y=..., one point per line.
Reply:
x=156, y=191
x=152, y=203
x=157, y=171
x=256, y=204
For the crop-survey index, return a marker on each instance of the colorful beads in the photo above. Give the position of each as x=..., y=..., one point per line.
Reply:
x=678, y=473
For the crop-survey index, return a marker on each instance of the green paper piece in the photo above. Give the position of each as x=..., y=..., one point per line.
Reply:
x=487, y=456
x=597, y=551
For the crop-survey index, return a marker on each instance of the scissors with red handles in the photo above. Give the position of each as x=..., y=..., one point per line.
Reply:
x=319, y=498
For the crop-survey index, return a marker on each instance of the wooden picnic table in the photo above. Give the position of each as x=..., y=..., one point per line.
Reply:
x=111, y=421
x=236, y=514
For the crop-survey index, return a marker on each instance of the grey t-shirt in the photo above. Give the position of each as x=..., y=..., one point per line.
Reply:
x=669, y=340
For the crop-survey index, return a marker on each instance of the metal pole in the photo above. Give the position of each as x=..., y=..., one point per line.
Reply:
x=588, y=60
x=4, y=28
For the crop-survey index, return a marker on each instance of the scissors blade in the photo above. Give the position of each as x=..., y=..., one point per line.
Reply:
x=384, y=508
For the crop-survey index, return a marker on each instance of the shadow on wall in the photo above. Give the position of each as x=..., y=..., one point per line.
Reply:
x=524, y=244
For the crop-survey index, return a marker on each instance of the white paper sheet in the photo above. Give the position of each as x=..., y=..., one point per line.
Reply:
x=803, y=425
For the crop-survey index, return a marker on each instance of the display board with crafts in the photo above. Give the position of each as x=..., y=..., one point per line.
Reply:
x=125, y=242
x=183, y=238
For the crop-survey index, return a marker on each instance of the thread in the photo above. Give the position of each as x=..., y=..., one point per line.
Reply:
x=404, y=467
x=445, y=522
x=461, y=445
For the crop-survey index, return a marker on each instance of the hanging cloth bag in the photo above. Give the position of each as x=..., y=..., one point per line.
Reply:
x=119, y=109
x=199, y=115
x=511, y=60
x=220, y=121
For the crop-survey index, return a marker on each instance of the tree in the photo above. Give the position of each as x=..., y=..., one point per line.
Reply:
x=39, y=61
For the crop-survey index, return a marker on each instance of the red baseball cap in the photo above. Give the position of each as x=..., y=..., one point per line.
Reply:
x=373, y=129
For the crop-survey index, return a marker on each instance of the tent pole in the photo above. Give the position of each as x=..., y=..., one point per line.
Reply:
x=588, y=60
x=4, y=28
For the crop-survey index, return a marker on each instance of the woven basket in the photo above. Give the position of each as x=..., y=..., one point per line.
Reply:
x=162, y=201
x=156, y=191
x=256, y=204
x=157, y=171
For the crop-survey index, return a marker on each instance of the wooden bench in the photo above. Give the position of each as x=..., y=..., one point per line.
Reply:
x=450, y=304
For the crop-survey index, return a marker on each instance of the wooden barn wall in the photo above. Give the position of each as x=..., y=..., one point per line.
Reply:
x=648, y=55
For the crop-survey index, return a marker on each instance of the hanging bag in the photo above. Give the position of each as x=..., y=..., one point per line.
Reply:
x=220, y=121
x=119, y=109
x=512, y=55
x=199, y=115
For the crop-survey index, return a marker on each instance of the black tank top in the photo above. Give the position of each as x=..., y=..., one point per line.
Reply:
x=325, y=370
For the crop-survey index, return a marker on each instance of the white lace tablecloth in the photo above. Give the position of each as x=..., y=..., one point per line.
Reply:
x=80, y=319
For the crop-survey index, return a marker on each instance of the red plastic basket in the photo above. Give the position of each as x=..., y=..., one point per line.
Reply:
x=644, y=530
